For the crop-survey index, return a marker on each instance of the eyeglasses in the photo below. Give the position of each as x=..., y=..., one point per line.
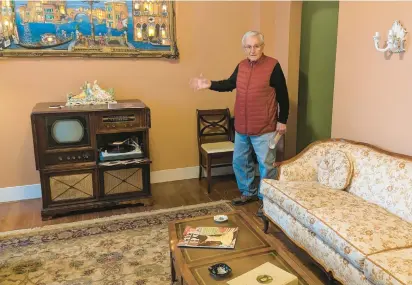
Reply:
x=250, y=47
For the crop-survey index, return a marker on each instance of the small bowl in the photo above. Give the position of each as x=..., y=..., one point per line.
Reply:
x=220, y=218
x=220, y=270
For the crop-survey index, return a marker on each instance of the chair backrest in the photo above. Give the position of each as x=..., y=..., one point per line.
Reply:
x=213, y=125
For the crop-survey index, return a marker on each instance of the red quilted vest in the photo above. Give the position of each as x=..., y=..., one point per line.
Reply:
x=256, y=105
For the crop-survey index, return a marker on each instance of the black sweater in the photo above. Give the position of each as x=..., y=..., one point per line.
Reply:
x=277, y=81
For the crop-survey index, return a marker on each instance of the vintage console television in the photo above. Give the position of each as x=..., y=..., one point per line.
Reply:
x=92, y=156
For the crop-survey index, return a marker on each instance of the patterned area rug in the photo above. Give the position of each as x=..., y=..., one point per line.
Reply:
x=120, y=250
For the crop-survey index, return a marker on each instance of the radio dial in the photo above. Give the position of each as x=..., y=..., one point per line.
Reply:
x=60, y=158
x=68, y=158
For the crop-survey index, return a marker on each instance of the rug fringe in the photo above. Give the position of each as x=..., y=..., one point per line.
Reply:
x=111, y=218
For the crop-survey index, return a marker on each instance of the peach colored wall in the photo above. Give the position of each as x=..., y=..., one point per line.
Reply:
x=294, y=31
x=209, y=46
x=373, y=95
x=285, y=20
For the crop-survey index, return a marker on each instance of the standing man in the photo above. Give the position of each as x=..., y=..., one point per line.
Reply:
x=261, y=109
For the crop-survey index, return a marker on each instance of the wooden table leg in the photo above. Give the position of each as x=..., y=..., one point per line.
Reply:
x=173, y=271
x=265, y=224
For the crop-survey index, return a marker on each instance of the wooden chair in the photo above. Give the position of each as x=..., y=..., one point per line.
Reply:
x=214, y=134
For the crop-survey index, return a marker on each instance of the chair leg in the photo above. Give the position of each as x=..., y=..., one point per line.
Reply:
x=209, y=173
x=200, y=165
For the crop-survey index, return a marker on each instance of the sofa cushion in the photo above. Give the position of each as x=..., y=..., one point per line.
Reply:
x=356, y=231
x=297, y=197
x=335, y=170
x=383, y=180
x=347, y=223
x=390, y=267
x=330, y=260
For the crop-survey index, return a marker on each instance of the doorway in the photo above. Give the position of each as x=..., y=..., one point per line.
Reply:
x=316, y=71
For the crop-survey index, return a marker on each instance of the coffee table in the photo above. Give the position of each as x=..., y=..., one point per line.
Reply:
x=253, y=248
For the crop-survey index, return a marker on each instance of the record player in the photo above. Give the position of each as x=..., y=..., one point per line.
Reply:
x=120, y=150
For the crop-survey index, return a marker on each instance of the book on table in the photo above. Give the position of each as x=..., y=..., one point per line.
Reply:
x=209, y=237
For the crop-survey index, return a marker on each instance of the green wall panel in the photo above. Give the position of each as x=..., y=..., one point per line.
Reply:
x=317, y=71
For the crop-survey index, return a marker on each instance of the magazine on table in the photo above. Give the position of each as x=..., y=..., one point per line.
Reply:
x=209, y=237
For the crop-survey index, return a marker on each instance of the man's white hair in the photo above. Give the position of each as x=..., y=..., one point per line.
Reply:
x=253, y=34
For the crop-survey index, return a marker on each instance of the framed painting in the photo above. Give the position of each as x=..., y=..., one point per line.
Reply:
x=89, y=28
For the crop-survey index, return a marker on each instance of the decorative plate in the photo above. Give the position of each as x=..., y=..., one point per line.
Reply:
x=220, y=218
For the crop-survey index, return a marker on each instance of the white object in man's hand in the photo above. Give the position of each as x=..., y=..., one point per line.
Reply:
x=281, y=128
x=274, y=141
x=198, y=83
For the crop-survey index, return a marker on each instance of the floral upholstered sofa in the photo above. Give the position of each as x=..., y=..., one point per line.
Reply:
x=349, y=205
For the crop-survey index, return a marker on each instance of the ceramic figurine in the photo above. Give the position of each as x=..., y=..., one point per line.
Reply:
x=91, y=95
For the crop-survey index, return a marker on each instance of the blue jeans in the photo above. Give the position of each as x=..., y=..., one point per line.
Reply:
x=244, y=166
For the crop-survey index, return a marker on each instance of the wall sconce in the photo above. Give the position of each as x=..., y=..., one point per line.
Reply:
x=396, y=39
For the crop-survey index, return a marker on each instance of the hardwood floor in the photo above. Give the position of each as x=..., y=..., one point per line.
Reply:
x=26, y=214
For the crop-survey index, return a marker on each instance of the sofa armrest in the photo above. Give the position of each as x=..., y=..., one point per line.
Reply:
x=302, y=167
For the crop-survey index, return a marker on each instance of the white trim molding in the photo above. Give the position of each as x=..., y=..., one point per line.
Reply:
x=18, y=193
x=26, y=192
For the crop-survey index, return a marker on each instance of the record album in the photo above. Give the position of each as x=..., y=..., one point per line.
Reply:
x=127, y=149
x=113, y=148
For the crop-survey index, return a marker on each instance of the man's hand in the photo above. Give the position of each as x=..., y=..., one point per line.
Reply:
x=198, y=83
x=281, y=128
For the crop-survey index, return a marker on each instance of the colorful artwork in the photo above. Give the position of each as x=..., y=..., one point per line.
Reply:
x=107, y=28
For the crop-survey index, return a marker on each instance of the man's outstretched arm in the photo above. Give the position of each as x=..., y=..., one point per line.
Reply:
x=226, y=84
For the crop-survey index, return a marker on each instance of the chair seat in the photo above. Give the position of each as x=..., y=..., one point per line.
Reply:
x=218, y=147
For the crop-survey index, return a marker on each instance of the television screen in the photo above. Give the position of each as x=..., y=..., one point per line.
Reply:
x=67, y=131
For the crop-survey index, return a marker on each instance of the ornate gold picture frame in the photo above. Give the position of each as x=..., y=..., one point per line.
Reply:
x=88, y=28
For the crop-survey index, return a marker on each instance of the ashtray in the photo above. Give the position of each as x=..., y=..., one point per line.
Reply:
x=220, y=270
x=220, y=218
